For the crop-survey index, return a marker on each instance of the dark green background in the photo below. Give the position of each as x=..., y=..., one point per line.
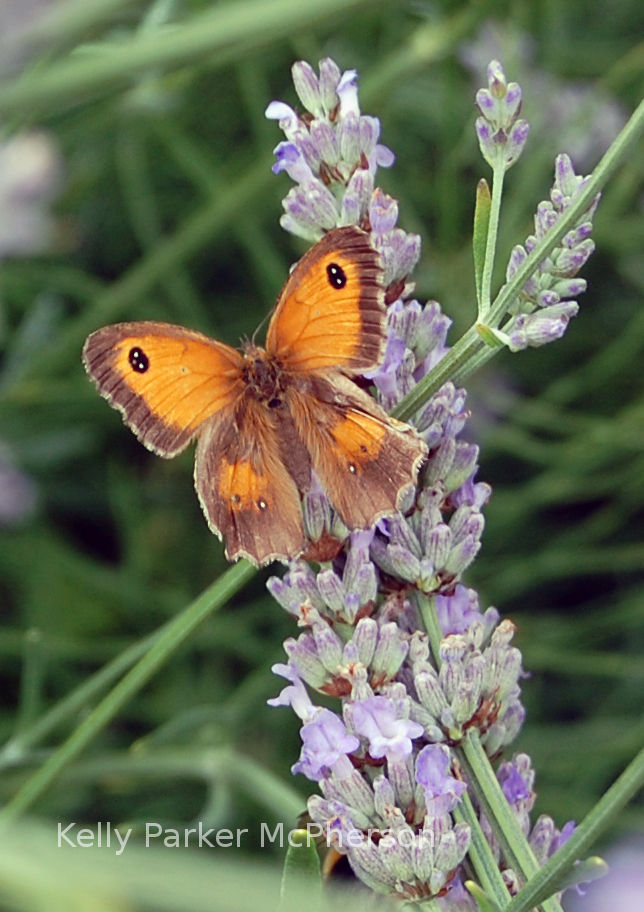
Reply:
x=171, y=165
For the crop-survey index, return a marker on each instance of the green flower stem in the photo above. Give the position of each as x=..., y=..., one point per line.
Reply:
x=613, y=157
x=172, y=635
x=215, y=37
x=470, y=352
x=483, y=782
x=499, y=813
x=480, y=853
x=498, y=175
x=600, y=817
x=456, y=361
x=483, y=861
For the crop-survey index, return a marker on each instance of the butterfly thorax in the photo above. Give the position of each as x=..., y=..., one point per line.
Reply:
x=263, y=375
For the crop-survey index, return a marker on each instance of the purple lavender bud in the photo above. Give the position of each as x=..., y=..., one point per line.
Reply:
x=331, y=590
x=542, y=836
x=390, y=651
x=429, y=691
x=356, y=200
x=496, y=80
x=547, y=298
x=439, y=543
x=303, y=657
x=347, y=785
x=464, y=466
x=324, y=139
x=513, y=99
x=541, y=327
x=514, y=786
x=349, y=138
x=307, y=87
x=516, y=140
x=383, y=212
x=462, y=555
x=577, y=235
x=369, y=134
x=452, y=847
x=486, y=139
x=365, y=638
x=486, y=104
x=400, y=771
x=403, y=563
x=312, y=205
x=317, y=514
x=569, y=262
x=328, y=645
x=329, y=78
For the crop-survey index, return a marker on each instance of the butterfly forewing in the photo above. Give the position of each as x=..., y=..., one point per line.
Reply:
x=331, y=311
x=165, y=380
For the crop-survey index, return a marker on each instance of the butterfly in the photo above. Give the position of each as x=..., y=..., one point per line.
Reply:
x=269, y=421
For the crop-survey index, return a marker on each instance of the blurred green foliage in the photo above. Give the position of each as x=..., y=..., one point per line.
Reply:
x=169, y=211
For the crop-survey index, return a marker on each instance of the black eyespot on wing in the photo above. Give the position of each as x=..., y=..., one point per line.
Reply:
x=138, y=359
x=336, y=275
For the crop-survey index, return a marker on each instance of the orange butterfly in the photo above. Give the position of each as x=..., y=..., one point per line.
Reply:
x=266, y=419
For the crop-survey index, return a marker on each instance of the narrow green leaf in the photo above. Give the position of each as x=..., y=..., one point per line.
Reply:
x=483, y=901
x=584, y=872
x=491, y=337
x=302, y=864
x=479, y=237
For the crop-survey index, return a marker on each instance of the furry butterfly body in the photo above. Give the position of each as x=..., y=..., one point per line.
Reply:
x=267, y=419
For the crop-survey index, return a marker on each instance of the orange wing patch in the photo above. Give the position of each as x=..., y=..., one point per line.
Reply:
x=165, y=380
x=331, y=311
x=360, y=438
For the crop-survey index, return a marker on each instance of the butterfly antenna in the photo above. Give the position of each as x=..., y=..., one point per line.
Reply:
x=259, y=326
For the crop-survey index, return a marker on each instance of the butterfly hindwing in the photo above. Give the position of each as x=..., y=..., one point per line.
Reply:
x=331, y=312
x=249, y=497
x=164, y=379
x=365, y=459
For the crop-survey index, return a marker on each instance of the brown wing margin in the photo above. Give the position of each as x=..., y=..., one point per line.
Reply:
x=165, y=380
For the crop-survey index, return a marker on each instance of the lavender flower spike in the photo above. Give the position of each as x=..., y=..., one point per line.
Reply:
x=385, y=760
x=541, y=313
x=332, y=151
x=501, y=134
